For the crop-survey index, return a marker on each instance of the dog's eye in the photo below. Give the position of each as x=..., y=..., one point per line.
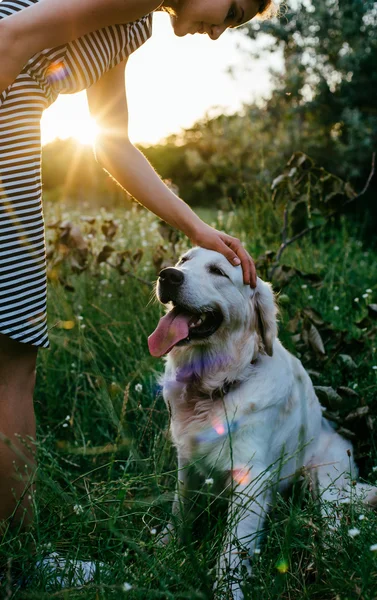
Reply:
x=216, y=271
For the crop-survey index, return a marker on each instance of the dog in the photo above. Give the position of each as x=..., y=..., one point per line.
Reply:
x=243, y=409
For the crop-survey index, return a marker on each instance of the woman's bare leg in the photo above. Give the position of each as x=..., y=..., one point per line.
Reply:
x=17, y=428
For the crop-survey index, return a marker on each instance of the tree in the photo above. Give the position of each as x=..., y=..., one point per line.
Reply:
x=328, y=92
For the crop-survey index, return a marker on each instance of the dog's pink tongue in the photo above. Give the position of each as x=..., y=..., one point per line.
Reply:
x=171, y=329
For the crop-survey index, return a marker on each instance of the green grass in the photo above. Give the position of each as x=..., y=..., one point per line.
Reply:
x=106, y=467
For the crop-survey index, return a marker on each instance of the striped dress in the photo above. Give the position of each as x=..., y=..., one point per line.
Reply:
x=64, y=69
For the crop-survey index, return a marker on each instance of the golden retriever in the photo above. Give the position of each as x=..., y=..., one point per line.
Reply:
x=243, y=409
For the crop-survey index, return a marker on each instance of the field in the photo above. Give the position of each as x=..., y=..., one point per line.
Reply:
x=106, y=467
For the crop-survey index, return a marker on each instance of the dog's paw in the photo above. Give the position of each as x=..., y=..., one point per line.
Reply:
x=166, y=535
x=225, y=590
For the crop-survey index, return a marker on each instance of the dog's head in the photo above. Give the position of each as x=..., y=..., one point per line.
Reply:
x=212, y=310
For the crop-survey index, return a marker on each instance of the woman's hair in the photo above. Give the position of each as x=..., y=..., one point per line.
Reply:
x=267, y=9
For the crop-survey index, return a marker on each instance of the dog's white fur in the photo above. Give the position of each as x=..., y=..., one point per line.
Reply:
x=243, y=384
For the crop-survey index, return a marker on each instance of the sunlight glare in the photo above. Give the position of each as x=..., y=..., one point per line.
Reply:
x=69, y=118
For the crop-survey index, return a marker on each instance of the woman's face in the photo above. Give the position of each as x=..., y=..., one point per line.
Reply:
x=212, y=17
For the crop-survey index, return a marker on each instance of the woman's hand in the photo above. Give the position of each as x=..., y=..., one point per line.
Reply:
x=231, y=247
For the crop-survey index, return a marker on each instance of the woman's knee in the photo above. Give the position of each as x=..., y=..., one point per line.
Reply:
x=17, y=369
x=17, y=380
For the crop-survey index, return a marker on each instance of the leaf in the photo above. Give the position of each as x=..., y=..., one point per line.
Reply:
x=109, y=229
x=347, y=361
x=328, y=396
x=72, y=237
x=314, y=374
x=137, y=256
x=87, y=219
x=278, y=180
x=313, y=316
x=315, y=340
x=283, y=275
x=300, y=160
x=296, y=339
x=346, y=433
x=347, y=392
x=168, y=233
x=293, y=323
x=78, y=263
x=372, y=311
x=284, y=300
x=104, y=254
x=316, y=218
x=362, y=411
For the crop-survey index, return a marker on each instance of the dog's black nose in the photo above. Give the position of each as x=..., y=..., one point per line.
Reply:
x=171, y=276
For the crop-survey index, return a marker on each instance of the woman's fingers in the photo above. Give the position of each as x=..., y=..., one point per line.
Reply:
x=238, y=251
x=230, y=247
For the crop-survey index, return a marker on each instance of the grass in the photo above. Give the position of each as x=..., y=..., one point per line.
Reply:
x=106, y=470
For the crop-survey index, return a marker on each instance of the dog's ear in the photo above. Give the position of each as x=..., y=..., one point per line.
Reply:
x=265, y=314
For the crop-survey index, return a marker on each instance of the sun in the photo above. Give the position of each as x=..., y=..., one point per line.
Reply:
x=69, y=118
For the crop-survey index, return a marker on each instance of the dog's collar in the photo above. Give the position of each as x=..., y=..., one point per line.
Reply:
x=228, y=386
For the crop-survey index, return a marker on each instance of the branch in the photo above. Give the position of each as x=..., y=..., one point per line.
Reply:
x=296, y=237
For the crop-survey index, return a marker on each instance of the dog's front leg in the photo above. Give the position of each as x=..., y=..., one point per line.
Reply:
x=187, y=483
x=248, y=504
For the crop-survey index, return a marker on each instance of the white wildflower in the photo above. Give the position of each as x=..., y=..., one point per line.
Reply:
x=138, y=388
x=127, y=587
x=356, y=299
x=373, y=547
x=374, y=469
x=365, y=295
x=257, y=551
x=361, y=517
x=368, y=291
x=336, y=307
x=374, y=367
x=109, y=295
x=65, y=425
x=153, y=531
x=78, y=509
x=310, y=297
x=80, y=317
x=68, y=418
x=209, y=481
x=303, y=287
x=353, y=532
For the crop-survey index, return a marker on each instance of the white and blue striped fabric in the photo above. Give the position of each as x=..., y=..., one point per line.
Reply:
x=65, y=69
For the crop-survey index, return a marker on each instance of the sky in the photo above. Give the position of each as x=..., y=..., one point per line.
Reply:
x=171, y=82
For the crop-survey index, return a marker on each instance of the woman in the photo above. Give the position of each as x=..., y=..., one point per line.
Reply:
x=75, y=60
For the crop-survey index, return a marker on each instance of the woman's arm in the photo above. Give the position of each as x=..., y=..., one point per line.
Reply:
x=50, y=23
x=108, y=105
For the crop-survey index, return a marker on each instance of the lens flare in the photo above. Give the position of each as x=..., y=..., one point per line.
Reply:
x=241, y=476
x=57, y=72
x=218, y=426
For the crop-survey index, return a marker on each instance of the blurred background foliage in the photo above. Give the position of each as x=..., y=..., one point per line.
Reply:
x=324, y=103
